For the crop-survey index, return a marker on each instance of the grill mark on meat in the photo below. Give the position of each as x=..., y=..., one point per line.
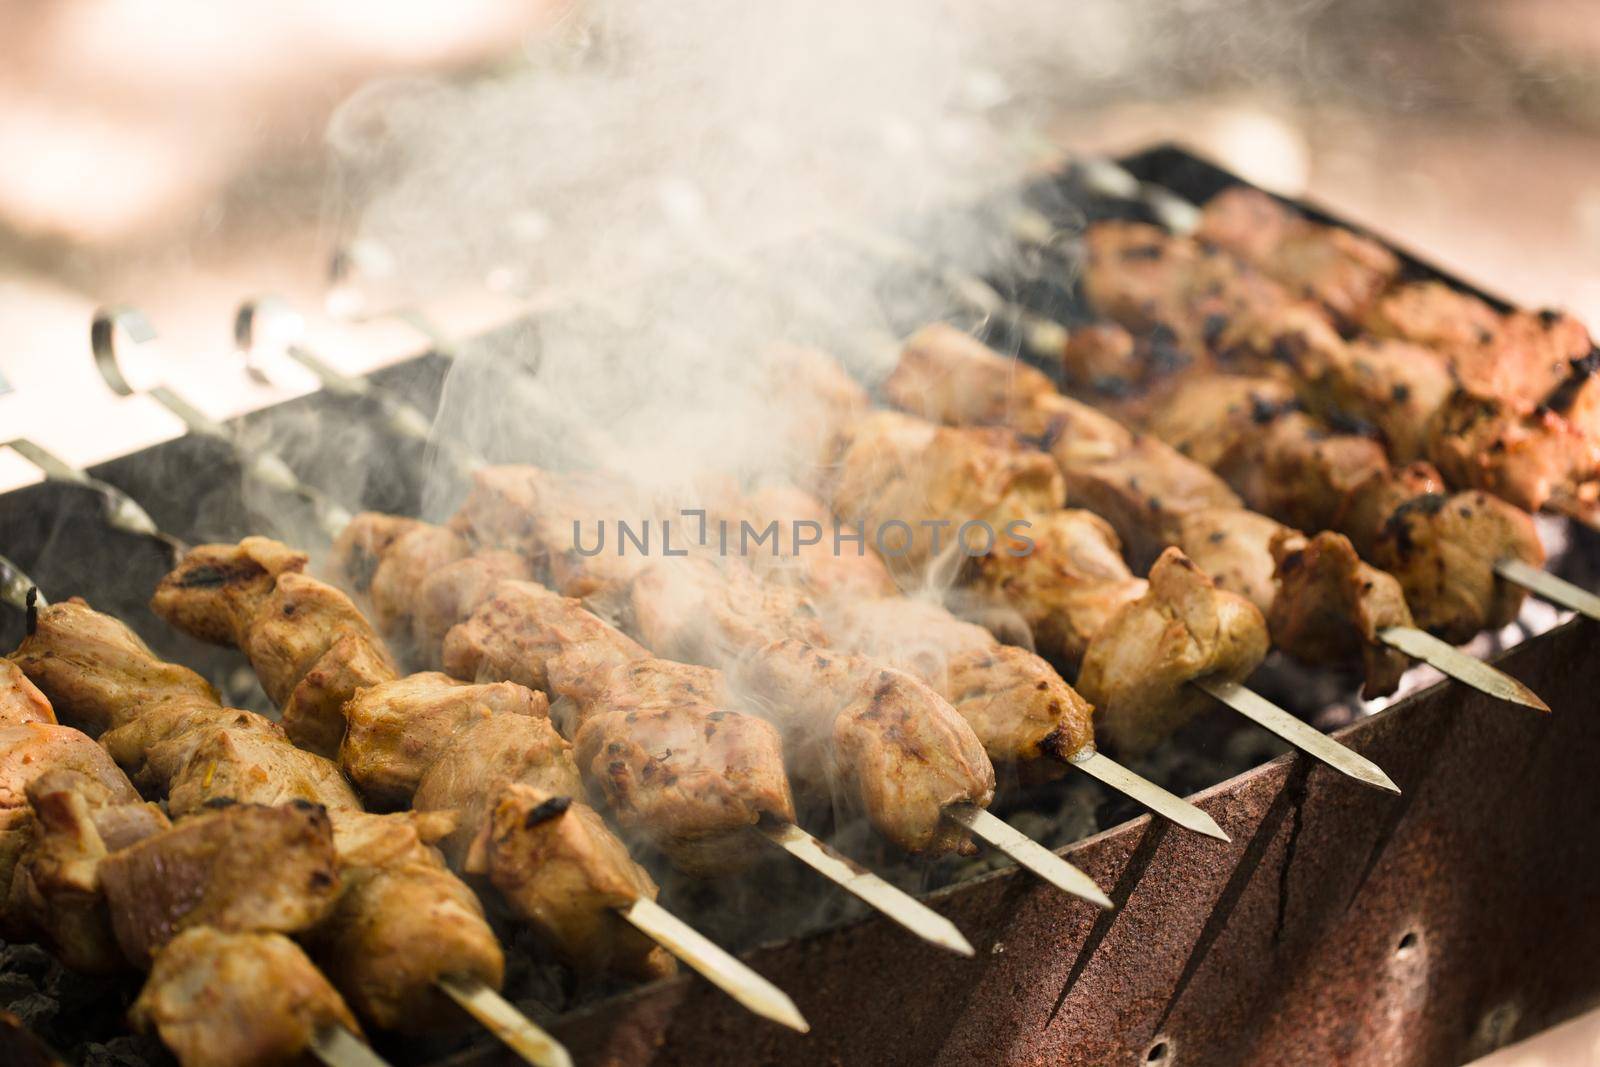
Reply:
x=1563, y=396
x=553, y=808
x=1397, y=525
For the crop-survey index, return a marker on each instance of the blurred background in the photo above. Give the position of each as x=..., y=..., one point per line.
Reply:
x=182, y=156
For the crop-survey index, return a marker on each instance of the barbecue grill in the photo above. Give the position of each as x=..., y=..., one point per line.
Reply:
x=1340, y=924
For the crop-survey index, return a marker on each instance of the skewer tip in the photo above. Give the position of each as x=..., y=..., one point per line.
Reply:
x=501, y=1018
x=1160, y=801
x=1459, y=665
x=1029, y=854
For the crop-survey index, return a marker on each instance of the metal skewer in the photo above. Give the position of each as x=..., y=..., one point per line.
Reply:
x=850, y=876
x=1419, y=644
x=1306, y=738
x=338, y=1047
x=714, y=963
x=267, y=467
x=999, y=834
x=1109, y=772
x=514, y=1029
x=1544, y=584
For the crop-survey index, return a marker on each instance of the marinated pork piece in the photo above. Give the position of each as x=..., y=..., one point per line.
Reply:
x=1184, y=628
x=920, y=637
x=155, y=747
x=448, y=596
x=237, y=1000
x=890, y=745
x=399, y=729
x=96, y=672
x=252, y=767
x=313, y=716
x=1339, y=269
x=482, y=760
x=55, y=897
x=242, y=868
x=817, y=570
x=1527, y=460
x=703, y=611
x=692, y=777
x=1296, y=471
x=1396, y=388
x=215, y=591
x=555, y=861
x=529, y=635
x=402, y=923
x=947, y=375
x=1102, y=357
x=1331, y=606
x=405, y=562
x=1234, y=547
x=1144, y=492
x=361, y=545
x=896, y=469
x=294, y=628
x=32, y=749
x=1067, y=586
x=20, y=700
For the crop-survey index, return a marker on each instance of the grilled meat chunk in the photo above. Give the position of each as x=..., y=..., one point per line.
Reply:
x=448, y=596
x=1234, y=547
x=220, y=999
x=692, y=776
x=1525, y=459
x=1296, y=471
x=156, y=747
x=554, y=861
x=700, y=611
x=253, y=767
x=1144, y=492
x=810, y=564
x=1341, y=270
x=399, y=729
x=1394, y=387
x=313, y=716
x=1067, y=586
x=96, y=672
x=402, y=923
x=482, y=760
x=31, y=749
x=216, y=591
x=910, y=634
x=892, y=747
x=1182, y=629
x=242, y=868
x=20, y=700
x=361, y=546
x=947, y=375
x=529, y=635
x=403, y=565
x=909, y=481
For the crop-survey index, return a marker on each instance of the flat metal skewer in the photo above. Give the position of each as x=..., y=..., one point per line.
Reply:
x=1306, y=738
x=1168, y=805
x=1028, y=853
x=1543, y=584
x=850, y=876
x=715, y=964
x=267, y=467
x=1419, y=644
x=17, y=589
x=338, y=1047
x=514, y=1029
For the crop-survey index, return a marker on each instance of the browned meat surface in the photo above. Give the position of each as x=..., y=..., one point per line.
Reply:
x=403, y=565
x=1023, y=712
x=485, y=757
x=815, y=569
x=918, y=636
x=1330, y=607
x=1135, y=671
x=253, y=767
x=20, y=700
x=691, y=776
x=1144, y=492
x=448, y=596
x=1296, y=471
x=1396, y=388
x=816, y=401
x=31, y=749
x=1217, y=417
x=930, y=479
x=401, y=728
x=1339, y=269
x=241, y=868
x=1234, y=547
x=402, y=922
x=1068, y=586
x=237, y=1000
x=1443, y=550
x=529, y=635
x=1102, y=357
x=947, y=375
x=288, y=624
x=556, y=863
x=361, y=545
x=893, y=746
x=1526, y=459
x=157, y=745
x=96, y=672
x=55, y=896
x=700, y=611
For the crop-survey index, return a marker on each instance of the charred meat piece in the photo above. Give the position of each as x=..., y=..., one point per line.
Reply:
x=912, y=483
x=1396, y=388
x=1066, y=585
x=1295, y=470
x=96, y=672
x=1144, y=492
x=20, y=700
x=555, y=862
x=482, y=760
x=55, y=896
x=221, y=999
x=529, y=635
x=1184, y=628
x=692, y=777
x=892, y=746
x=402, y=923
x=1525, y=459
x=244, y=867
x=399, y=729
x=1341, y=270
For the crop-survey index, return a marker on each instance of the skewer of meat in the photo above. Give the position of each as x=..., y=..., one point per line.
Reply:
x=1322, y=603
x=488, y=752
x=662, y=754
x=225, y=985
x=406, y=940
